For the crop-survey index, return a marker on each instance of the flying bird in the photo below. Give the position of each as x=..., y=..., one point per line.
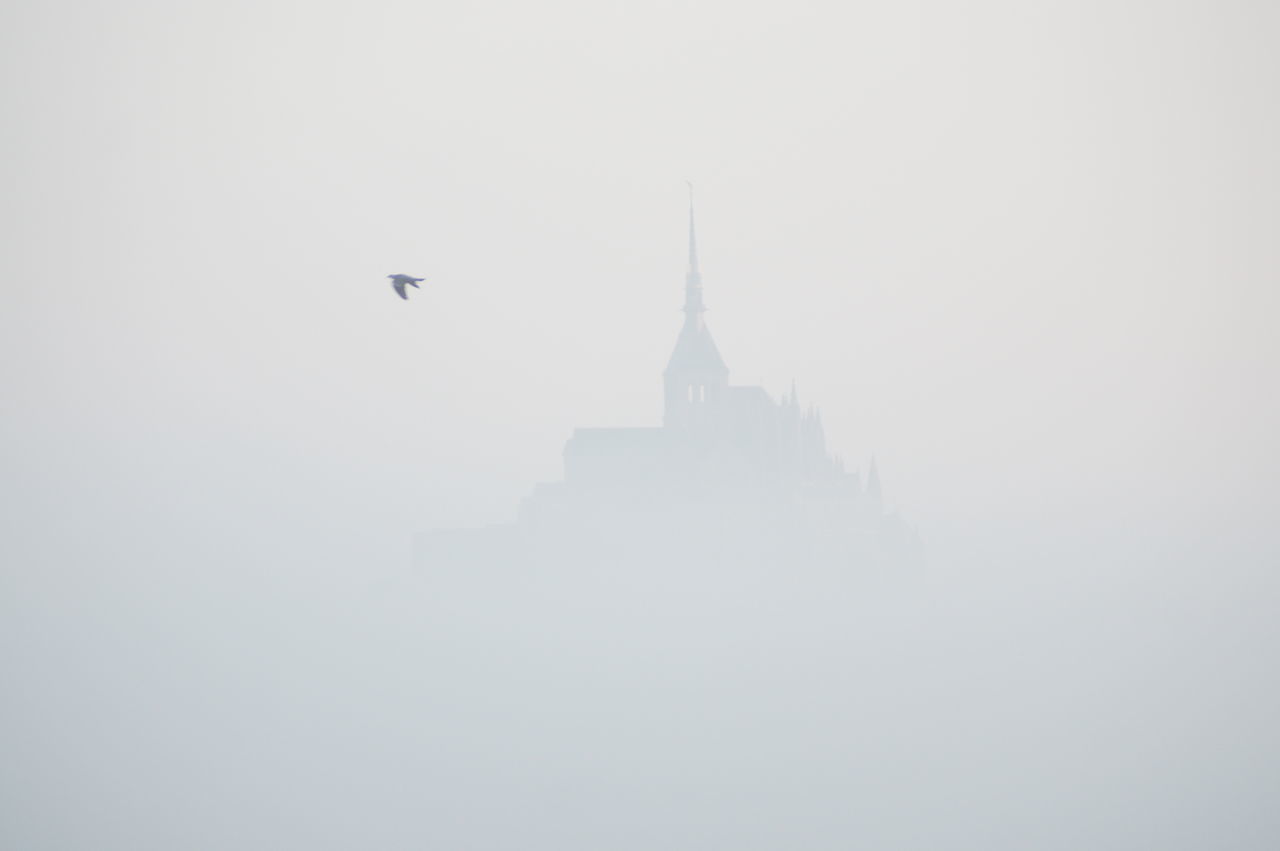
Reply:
x=399, y=282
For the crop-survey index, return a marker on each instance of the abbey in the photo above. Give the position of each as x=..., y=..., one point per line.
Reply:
x=730, y=473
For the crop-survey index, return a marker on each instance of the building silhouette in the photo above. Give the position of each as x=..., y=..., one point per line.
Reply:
x=730, y=473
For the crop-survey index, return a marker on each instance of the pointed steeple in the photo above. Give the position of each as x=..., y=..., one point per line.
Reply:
x=695, y=375
x=693, y=277
x=695, y=350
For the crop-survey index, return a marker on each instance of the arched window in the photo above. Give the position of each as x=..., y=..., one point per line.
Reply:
x=702, y=392
x=690, y=392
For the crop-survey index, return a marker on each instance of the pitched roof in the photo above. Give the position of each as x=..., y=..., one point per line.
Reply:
x=695, y=351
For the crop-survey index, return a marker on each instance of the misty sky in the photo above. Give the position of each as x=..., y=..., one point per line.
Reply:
x=1025, y=254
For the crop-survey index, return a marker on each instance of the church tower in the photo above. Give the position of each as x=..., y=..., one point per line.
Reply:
x=696, y=376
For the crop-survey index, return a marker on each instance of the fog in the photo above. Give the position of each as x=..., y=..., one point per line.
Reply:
x=1023, y=255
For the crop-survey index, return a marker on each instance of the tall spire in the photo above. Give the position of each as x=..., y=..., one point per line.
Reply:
x=693, y=278
x=695, y=372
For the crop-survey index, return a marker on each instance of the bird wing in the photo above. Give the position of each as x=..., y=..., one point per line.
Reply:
x=399, y=288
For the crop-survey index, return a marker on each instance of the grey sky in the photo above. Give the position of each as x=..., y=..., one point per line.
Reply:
x=1023, y=253
x=1002, y=245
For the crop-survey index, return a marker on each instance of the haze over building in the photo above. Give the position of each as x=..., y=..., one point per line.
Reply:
x=729, y=471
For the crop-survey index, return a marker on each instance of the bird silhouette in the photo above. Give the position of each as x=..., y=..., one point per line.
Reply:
x=399, y=282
